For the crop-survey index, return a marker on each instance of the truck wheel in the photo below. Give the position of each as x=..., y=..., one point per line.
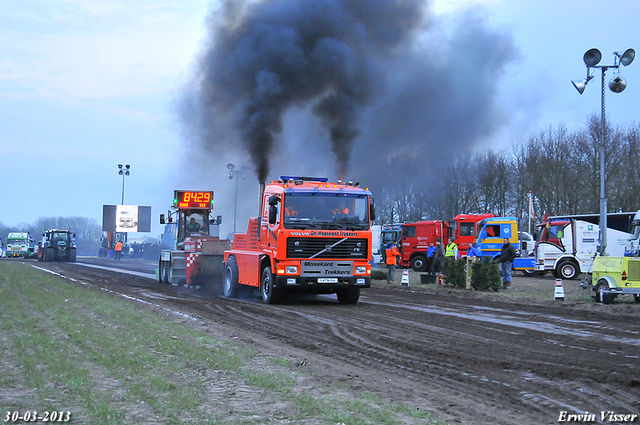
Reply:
x=418, y=263
x=567, y=270
x=348, y=296
x=268, y=291
x=637, y=298
x=602, y=286
x=230, y=283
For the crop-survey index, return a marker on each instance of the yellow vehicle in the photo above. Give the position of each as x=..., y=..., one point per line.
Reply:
x=613, y=276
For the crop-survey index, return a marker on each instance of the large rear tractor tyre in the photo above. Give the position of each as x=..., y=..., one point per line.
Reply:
x=72, y=256
x=48, y=254
x=567, y=270
x=168, y=273
x=270, y=294
x=418, y=263
x=348, y=296
x=160, y=271
x=230, y=282
x=602, y=286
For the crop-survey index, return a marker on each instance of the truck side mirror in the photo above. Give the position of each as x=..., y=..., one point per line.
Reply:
x=372, y=212
x=273, y=200
x=161, y=218
x=273, y=212
x=219, y=220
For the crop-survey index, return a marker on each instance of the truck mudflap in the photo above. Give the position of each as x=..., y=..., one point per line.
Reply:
x=321, y=284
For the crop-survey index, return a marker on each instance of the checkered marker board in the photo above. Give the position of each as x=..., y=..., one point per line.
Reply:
x=559, y=293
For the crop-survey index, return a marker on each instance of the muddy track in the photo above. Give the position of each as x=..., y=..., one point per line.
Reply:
x=471, y=361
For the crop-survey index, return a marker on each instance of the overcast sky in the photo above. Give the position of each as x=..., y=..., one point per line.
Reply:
x=88, y=84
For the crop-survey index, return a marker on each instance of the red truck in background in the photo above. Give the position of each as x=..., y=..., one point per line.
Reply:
x=416, y=237
x=464, y=229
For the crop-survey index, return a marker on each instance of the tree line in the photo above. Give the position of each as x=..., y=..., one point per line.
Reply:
x=561, y=169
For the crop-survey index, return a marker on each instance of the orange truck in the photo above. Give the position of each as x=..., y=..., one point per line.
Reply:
x=312, y=236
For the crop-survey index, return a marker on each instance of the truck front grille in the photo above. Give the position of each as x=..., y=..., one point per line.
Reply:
x=327, y=248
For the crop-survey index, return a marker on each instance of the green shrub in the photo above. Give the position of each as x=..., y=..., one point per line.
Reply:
x=485, y=275
x=454, y=272
x=378, y=274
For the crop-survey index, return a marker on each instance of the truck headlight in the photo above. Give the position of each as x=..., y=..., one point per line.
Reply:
x=361, y=269
x=292, y=270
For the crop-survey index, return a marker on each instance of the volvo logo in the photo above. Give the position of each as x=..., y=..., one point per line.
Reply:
x=327, y=248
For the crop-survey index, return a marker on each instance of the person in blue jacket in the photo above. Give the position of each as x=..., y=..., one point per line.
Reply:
x=474, y=251
x=431, y=249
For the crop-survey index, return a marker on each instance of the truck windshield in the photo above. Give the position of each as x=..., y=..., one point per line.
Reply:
x=326, y=211
x=16, y=241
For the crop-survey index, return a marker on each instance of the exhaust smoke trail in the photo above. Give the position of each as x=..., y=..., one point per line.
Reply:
x=266, y=57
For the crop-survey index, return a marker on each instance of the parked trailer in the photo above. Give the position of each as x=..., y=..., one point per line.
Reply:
x=568, y=246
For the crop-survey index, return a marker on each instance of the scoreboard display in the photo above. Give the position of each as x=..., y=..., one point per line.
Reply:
x=192, y=200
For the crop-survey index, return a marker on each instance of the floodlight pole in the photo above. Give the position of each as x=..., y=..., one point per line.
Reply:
x=591, y=58
x=124, y=171
x=603, y=194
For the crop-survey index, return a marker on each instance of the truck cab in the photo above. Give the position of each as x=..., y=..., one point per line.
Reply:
x=311, y=236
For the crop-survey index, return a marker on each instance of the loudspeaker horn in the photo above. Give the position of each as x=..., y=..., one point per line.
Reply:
x=627, y=57
x=592, y=57
x=618, y=84
x=579, y=85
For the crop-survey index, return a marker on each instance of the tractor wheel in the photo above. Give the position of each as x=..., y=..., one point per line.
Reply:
x=348, y=296
x=230, y=283
x=160, y=271
x=48, y=254
x=567, y=270
x=419, y=263
x=270, y=294
x=168, y=272
x=72, y=255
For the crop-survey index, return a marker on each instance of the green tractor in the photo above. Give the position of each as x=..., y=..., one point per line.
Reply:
x=57, y=245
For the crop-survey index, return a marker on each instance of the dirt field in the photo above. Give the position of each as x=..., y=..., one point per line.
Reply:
x=513, y=357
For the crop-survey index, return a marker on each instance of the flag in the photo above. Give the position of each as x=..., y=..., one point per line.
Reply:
x=532, y=213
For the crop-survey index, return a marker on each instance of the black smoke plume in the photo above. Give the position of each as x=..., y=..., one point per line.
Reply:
x=268, y=56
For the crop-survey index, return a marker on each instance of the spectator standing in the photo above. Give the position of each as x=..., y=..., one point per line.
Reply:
x=474, y=251
x=438, y=257
x=392, y=259
x=452, y=249
x=118, y=250
x=431, y=250
x=507, y=255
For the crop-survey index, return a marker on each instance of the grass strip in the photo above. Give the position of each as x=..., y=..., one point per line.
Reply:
x=111, y=362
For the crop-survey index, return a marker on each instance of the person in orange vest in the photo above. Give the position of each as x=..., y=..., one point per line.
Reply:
x=118, y=250
x=392, y=253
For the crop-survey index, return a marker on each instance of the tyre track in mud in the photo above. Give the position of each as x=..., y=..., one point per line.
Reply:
x=471, y=361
